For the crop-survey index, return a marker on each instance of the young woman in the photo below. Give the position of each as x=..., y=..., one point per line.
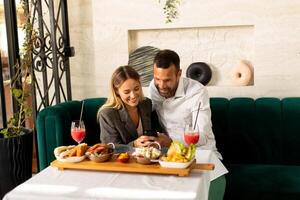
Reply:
x=126, y=115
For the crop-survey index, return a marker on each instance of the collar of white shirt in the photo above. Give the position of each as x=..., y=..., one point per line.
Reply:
x=180, y=92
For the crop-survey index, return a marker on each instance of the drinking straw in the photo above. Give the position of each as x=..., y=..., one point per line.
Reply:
x=81, y=113
x=197, y=115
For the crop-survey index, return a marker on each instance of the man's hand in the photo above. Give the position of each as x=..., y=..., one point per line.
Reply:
x=143, y=141
x=163, y=139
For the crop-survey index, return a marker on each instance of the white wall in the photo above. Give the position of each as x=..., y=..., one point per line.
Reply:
x=101, y=32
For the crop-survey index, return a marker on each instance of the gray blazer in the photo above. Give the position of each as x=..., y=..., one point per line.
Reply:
x=117, y=127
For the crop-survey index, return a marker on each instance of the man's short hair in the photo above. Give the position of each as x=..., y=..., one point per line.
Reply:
x=165, y=58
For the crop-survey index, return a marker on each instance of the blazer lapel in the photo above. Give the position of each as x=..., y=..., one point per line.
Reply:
x=128, y=124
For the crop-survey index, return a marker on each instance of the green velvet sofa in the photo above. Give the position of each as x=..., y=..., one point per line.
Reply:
x=259, y=140
x=260, y=143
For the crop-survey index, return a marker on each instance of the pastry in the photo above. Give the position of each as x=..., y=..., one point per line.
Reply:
x=81, y=149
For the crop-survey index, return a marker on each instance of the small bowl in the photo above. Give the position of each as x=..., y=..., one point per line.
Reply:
x=100, y=158
x=143, y=160
x=142, y=157
x=122, y=159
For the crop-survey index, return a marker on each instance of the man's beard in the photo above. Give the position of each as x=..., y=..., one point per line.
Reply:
x=170, y=92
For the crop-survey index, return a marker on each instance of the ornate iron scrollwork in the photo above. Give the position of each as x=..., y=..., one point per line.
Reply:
x=51, y=73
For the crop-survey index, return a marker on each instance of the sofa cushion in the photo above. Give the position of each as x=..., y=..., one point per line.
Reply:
x=251, y=181
x=291, y=130
x=268, y=126
x=51, y=123
x=241, y=131
x=91, y=107
x=54, y=123
x=219, y=117
x=253, y=133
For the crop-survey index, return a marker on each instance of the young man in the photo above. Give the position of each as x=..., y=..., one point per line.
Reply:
x=177, y=99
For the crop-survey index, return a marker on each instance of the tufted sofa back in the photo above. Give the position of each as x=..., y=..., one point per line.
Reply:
x=261, y=131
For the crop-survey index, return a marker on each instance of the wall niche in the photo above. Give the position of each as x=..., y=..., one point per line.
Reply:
x=223, y=48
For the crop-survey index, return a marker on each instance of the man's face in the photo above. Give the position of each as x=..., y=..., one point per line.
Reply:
x=166, y=80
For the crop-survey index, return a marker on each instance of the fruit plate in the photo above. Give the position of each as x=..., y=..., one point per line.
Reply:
x=73, y=159
x=178, y=165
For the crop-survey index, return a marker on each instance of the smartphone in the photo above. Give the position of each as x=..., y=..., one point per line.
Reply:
x=150, y=133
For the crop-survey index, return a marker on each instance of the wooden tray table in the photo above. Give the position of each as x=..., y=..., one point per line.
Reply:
x=132, y=167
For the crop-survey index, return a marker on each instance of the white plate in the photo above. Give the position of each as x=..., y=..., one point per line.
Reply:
x=179, y=165
x=73, y=159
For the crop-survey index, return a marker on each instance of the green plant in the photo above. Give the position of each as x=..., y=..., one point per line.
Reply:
x=170, y=9
x=20, y=83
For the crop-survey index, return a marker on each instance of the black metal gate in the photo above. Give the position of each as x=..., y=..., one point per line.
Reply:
x=52, y=52
x=51, y=68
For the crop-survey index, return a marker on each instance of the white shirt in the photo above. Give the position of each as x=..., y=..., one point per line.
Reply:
x=181, y=109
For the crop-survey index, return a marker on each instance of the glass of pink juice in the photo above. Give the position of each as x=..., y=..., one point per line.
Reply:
x=78, y=131
x=191, y=135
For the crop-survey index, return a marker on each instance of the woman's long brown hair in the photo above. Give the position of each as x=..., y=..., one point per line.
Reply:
x=120, y=75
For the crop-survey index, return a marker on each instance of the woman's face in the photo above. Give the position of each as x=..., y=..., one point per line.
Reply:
x=130, y=92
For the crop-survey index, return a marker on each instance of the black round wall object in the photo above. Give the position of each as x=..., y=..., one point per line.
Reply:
x=199, y=71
